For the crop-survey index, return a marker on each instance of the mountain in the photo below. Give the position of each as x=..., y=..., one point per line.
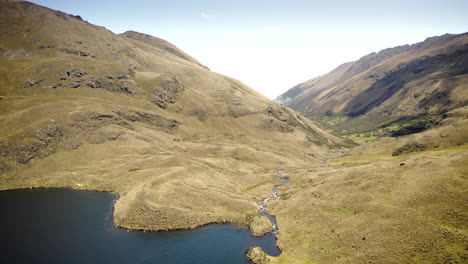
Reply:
x=397, y=90
x=85, y=108
x=400, y=196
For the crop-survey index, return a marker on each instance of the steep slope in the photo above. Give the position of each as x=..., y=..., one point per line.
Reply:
x=84, y=108
x=390, y=89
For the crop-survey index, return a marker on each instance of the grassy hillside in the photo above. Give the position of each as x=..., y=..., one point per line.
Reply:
x=84, y=108
x=396, y=91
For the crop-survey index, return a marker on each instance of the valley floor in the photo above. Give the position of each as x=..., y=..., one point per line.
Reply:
x=376, y=209
x=366, y=207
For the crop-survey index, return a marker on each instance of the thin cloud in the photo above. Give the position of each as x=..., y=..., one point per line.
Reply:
x=206, y=15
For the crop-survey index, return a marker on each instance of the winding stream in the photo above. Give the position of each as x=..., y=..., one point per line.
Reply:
x=261, y=203
x=262, y=211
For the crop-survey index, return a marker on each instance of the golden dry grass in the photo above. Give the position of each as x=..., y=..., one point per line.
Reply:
x=369, y=208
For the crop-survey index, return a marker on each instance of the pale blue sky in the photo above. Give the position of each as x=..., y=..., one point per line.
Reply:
x=273, y=45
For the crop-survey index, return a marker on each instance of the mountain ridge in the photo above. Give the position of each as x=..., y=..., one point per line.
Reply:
x=316, y=96
x=160, y=43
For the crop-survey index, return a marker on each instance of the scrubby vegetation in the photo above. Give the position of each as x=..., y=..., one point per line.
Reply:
x=409, y=148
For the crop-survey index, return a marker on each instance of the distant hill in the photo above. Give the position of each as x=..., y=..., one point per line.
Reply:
x=399, y=87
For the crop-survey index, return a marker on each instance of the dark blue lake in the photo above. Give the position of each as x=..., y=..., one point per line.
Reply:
x=69, y=226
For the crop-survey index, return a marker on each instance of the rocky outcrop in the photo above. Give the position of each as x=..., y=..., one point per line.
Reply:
x=75, y=52
x=115, y=83
x=257, y=256
x=166, y=93
x=126, y=87
x=32, y=83
x=42, y=143
x=275, y=125
x=260, y=225
x=75, y=73
x=150, y=119
x=44, y=47
x=86, y=127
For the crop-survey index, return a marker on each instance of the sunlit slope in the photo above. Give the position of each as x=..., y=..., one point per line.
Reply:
x=82, y=107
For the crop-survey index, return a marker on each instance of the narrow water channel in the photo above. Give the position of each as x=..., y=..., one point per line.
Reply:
x=261, y=203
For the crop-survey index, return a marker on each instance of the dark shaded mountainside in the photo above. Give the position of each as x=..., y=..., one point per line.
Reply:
x=397, y=90
x=82, y=107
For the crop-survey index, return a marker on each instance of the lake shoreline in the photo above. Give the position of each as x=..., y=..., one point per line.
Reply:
x=239, y=225
x=122, y=226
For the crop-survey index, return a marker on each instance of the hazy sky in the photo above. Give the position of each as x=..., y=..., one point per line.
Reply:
x=273, y=45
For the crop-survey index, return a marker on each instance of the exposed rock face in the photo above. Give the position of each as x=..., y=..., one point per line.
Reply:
x=275, y=125
x=257, y=256
x=125, y=87
x=31, y=83
x=166, y=93
x=43, y=142
x=83, y=128
x=75, y=52
x=75, y=73
x=46, y=47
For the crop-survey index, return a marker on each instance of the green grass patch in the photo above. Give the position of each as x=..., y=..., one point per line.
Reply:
x=337, y=120
x=362, y=138
x=456, y=252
